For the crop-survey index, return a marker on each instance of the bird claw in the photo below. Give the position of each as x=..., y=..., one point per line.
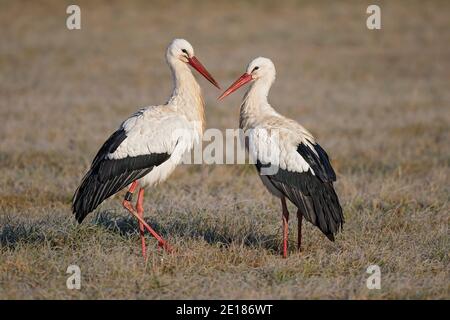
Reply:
x=165, y=246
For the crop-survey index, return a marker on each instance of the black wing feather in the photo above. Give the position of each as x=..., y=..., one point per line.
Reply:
x=108, y=176
x=313, y=194
x=318, y=161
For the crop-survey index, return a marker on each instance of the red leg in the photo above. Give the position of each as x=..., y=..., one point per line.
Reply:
x=140, y=212
x=128, y=197
x=126, y=203
x=285, y=226
x=299, y=230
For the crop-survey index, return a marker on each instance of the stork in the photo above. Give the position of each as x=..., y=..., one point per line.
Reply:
x=300, y=168
x=149, y=145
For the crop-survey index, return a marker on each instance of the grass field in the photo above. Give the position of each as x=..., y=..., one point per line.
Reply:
x=377, y=101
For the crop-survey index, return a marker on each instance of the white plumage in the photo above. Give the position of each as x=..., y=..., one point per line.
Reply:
x=290, y=162
x=149, y=145
x=158, y=129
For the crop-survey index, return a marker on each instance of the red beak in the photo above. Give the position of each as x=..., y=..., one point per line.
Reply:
x=193, y=61
x=236, y=85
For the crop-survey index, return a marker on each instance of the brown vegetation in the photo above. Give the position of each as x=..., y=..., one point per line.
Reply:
x=378, y=102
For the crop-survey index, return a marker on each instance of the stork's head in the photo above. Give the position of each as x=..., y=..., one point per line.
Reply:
x=181, y=51
x=260, y=69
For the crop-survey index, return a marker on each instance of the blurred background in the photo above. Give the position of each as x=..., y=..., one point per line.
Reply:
x=377, y=100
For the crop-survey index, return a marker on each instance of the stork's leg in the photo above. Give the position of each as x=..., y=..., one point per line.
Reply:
x=140, y=212
x=285, y=226
x=129, y=196
x=299, y=230
x=127, y=204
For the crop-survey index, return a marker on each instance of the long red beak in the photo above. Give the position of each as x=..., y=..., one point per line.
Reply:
x=236, y=85
x=193, y=61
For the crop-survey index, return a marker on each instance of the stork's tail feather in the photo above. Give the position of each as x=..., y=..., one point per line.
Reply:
x=94, y=190
x=324, y=210
x=108, y=176
x=317, y=200
x=83, y=201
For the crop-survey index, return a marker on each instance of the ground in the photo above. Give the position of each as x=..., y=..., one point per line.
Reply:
x=377, y=101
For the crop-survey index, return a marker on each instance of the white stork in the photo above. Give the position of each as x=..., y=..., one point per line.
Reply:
x=302, y=171
x=149, y=145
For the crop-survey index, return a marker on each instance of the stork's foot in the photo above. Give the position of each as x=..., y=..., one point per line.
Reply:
x=164, y=245
x=285, y=218
x=161, y=242
x=299, y=230
x=138, y=213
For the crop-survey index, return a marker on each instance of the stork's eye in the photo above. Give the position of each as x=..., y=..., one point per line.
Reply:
x=184, y=51
x=255, y=68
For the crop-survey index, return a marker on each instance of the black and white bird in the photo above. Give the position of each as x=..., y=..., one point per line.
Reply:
x=149, y=145
x=291, y=163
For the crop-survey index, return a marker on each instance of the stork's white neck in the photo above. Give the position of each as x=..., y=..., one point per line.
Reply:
x=255, y=104
x=186, y=96
x=182, y=77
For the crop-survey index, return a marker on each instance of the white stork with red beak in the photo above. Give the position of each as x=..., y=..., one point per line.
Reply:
x=149, y=145
x=301, y=170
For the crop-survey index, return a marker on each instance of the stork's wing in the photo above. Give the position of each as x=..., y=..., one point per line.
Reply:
x=136, y=148
x=318, y=160
x=310, y=186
